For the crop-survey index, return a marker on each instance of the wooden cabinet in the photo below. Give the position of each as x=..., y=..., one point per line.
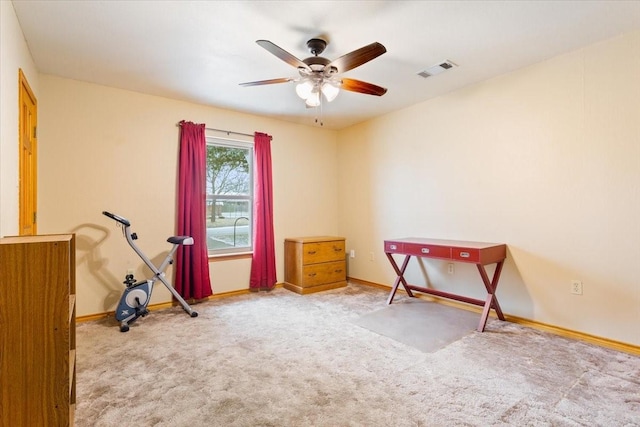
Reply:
x=37, y=330
x=313, y=264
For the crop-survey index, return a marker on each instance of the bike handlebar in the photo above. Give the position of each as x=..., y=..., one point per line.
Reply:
x=120, y=219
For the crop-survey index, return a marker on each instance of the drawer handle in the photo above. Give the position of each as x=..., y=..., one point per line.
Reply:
x=464, y=255
x=338, y=271
x=311, y=252
x=393, y=247
x=312, y=274
x=424, y=250
x=337, y=249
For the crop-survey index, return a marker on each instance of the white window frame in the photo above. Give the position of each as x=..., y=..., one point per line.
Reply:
x=233, y=143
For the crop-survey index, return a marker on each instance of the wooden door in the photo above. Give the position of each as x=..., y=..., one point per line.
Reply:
x=28, y=157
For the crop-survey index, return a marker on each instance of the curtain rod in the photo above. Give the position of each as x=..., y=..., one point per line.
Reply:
x=228, y=132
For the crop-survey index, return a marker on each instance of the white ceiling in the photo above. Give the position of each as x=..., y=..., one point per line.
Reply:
x=199, y=51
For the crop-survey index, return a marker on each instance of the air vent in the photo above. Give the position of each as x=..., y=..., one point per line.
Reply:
x=437, y=69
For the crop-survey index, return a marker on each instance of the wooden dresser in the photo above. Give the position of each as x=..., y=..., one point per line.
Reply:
x=37, y=330
x=313, y=264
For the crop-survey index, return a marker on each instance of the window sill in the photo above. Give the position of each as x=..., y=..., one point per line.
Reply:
x=228, y=257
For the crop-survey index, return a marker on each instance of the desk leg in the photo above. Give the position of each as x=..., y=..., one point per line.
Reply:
x=492, y=300
x=400, y=278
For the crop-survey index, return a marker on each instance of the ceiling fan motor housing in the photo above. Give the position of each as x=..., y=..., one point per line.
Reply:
x=316, y=60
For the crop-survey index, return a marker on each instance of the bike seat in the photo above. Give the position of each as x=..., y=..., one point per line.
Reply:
x=181, y=240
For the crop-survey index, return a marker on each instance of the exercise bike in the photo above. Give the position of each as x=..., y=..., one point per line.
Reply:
x=137, y=294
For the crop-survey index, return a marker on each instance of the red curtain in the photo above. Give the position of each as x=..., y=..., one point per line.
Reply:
x=263, y=264
x=192, y=262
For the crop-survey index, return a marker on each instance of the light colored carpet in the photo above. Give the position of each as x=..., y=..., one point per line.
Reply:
x=425, y=325
x=282, y=359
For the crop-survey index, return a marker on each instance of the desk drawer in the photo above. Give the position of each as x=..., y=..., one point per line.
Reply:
x=426, y=250
x=465, y=254
x=393, y=247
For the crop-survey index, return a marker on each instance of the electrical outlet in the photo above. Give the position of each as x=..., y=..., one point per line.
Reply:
x=450, y=268
x=372, y=256
x=576, y=287
x=352, y=253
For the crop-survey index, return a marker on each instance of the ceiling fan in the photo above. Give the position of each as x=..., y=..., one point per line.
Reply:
x=319, y=76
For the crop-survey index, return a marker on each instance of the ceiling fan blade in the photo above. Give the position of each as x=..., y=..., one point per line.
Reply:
x=357, y=57
x=362, y=87
x=267, y=82
x=282, y=54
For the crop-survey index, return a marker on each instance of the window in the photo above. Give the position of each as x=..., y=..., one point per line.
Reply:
x=229, y=196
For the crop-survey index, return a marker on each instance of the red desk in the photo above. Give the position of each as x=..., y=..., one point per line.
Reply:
x=477, y=253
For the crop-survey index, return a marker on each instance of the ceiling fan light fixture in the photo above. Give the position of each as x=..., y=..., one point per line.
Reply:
x=304, y=88
x=330, y=90
x=313, y=100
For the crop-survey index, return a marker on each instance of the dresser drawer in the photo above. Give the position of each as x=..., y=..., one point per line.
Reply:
x=328, y=272
x=313, y=253
x=427, y=250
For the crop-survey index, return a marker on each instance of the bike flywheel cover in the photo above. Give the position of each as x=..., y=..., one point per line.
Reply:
x=141, y=295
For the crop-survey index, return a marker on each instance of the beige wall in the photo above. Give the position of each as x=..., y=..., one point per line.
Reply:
x=108, y=149
x=14, y=56
x=545, y=159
